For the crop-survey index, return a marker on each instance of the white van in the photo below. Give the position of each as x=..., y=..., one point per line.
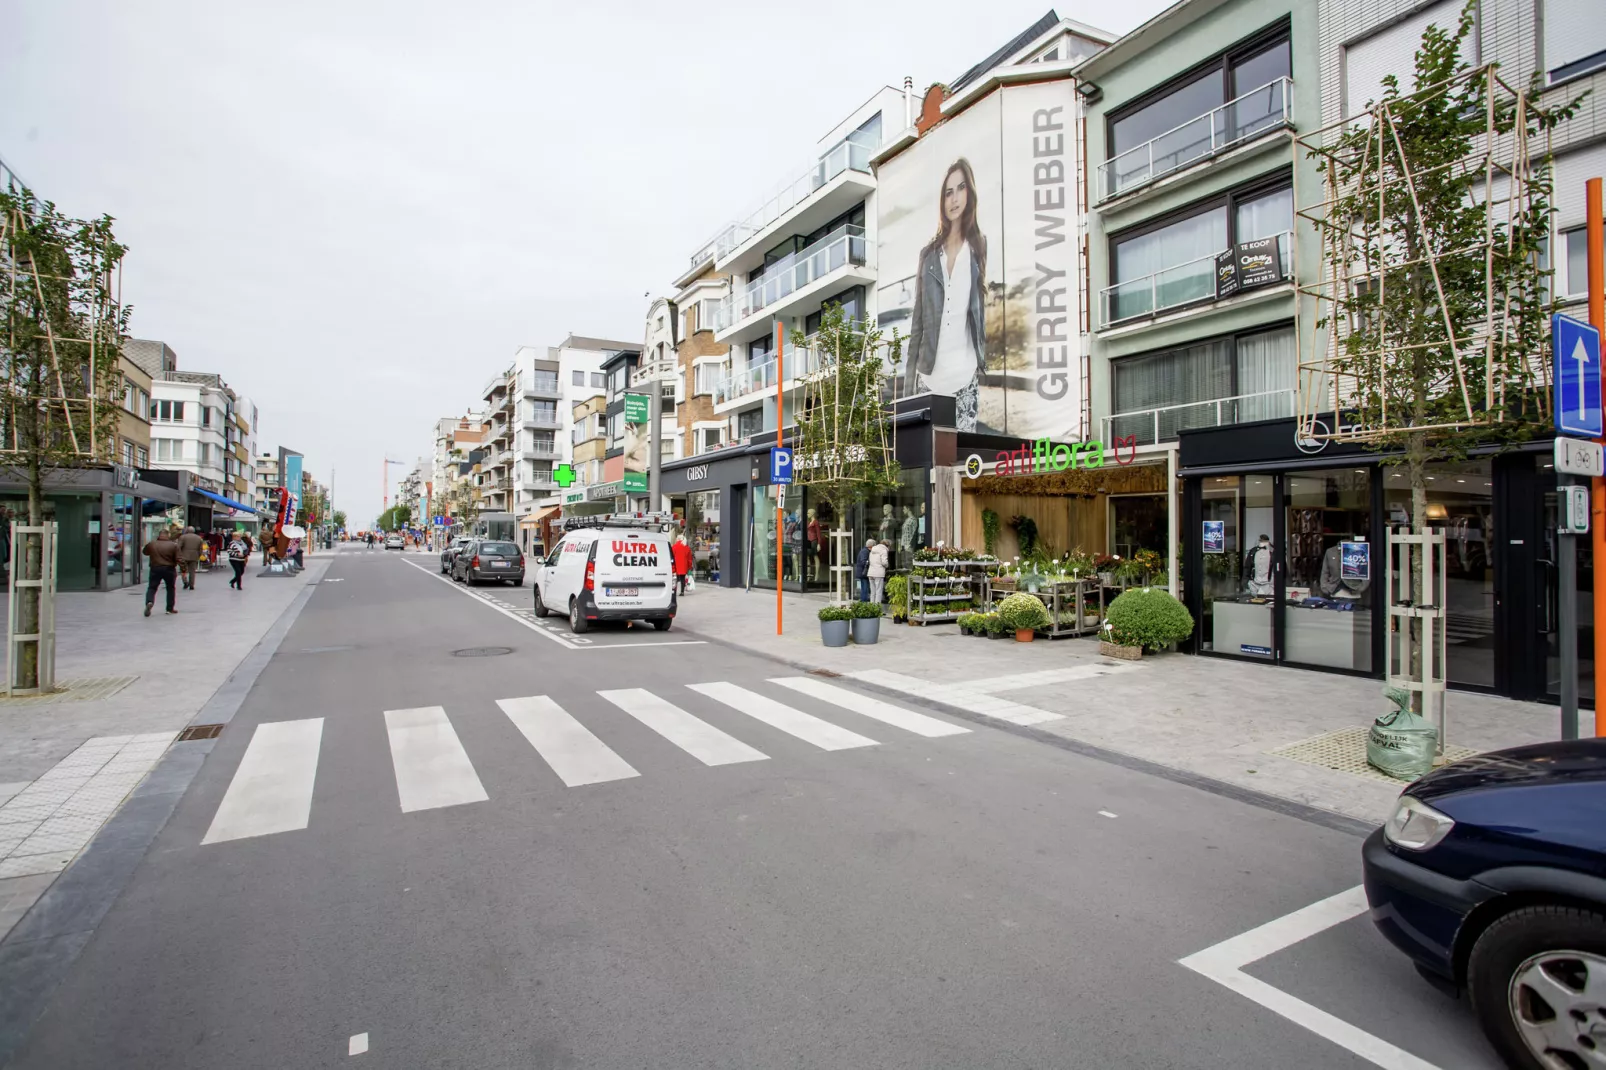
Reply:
x=615, y=567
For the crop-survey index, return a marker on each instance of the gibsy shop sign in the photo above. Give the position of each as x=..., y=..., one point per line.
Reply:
x=1045, y=456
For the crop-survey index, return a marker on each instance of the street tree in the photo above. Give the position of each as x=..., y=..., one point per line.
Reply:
x=339, y=519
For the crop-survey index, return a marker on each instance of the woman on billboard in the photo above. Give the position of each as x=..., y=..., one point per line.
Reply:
x=947, y=329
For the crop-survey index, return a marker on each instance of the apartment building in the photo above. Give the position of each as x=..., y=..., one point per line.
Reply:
x=588, y=445
x=702, y=363
x=266, y=468
x=660, y=364
x=579, y=359
x=131, y=446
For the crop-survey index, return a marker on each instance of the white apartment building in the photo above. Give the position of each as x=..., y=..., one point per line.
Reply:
x=579, y=360
x=191, y=414
x=660, y=363
x=266, y=468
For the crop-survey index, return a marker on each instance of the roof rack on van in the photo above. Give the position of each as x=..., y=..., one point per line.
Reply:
x=618, y=520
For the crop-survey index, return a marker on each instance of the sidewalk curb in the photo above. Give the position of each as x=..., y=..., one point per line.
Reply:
x=1314, y=815
x=41, y=948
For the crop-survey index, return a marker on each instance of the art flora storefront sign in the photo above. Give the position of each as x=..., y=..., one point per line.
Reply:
x=1043, y=456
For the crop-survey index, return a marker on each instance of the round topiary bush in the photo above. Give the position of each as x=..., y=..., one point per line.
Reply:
x=1022, y=612
x=1148, y=617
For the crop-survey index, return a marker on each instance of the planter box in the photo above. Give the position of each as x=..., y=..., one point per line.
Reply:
x=866, y=630
x=834, y=632
x=1115, y=650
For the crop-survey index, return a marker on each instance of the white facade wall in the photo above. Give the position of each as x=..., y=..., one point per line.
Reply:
x=192, y=443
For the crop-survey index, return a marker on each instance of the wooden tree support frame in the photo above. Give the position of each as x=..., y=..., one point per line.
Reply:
x=1414, y=590
x=25, y=580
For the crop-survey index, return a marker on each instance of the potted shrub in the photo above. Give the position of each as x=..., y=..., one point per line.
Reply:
x=1130, y=572
x=866, y=622
x=1105, y=564
x=834, y=623
x=994, y=627
x=1023, y=614
x=898, y=598
x=1144, y=618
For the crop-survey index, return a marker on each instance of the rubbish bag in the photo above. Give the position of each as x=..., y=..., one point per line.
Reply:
x=1401, y=743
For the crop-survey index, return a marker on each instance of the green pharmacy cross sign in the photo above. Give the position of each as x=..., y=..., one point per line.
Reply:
x=563, y=474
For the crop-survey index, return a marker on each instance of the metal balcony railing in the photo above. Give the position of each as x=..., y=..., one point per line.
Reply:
x=843, y=246
x=540, y=421
x=543, y=386
x=1172, y=287
x=1162, y=424
x=1236, y=121
x=800, y=361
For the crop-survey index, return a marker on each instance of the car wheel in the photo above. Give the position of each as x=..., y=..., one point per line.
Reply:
x=540, y=607
x=663, y=625
x=517, y=582
x=1535, y=978
x=577, y=623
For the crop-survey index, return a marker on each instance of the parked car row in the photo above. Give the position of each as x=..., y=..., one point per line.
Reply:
x=472, y=561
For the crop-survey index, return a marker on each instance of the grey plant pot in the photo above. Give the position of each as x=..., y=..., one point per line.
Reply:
x=834, y=632
x=866, y=630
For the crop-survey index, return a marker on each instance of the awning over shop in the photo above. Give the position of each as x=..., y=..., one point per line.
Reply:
x=535, y=518
x=230, y=502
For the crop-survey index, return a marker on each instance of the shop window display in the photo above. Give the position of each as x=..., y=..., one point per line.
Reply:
x=1239, y=560
x=1327, y=616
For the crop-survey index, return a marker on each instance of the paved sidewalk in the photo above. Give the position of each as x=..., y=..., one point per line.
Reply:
x=68, y=761
x=1206, y=716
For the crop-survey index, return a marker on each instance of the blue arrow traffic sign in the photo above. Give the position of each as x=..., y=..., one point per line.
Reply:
x=1576, y=372
x=781, y=464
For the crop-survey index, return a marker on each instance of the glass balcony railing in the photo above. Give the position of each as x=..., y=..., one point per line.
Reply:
x=542, y=386
x=1161, y=424
x=843, y=246
x=1237, y=120
x=852, y=153
x=800, y=361
x=1173, y=287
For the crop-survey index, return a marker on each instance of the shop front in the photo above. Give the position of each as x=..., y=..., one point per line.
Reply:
x=1286, y=539
x=100, y=516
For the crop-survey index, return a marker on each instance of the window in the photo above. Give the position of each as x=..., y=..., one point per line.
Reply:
x=206, y=416
x=144, y=456
x=709, y=439
x=1393, y=51
x=578, y=378
x=750, y=423
x=545, y=411
x=598, y=380
x=1174, y=126
x=761, y=351
x=706, y=377
x=616, y=427
x=203, y=453
x=1050, y=56
x=544, y=440
x=618, y=377
x=707, y=311
x=1574, y=43
x=127, y=453
x=851, y=301
x=168, y=449
x=168, y=411
x=1183, y=384
x=666, y=448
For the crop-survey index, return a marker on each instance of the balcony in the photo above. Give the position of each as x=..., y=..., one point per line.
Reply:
x=1254, y=113
x=839, y=259
x=541, y=453
x=544, y=387
x=759, y=381
x=496, y=385
x=1149, y=426
x=540, y=421
x=835, y=182
x=1173, y=287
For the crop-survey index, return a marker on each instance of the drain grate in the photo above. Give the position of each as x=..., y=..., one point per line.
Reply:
x=482, y=652
x=824, y=672
x=1345, y=751
x=199, y=731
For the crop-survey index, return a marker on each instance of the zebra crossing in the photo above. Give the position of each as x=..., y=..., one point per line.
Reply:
x=272, y=788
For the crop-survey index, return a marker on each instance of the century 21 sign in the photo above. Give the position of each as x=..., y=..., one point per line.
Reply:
x=1046, y=456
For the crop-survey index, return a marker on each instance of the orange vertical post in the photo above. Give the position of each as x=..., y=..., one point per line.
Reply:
x=780, y=514
x=1597, y=488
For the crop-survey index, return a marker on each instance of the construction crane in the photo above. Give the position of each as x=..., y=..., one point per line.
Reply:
x=385, y=489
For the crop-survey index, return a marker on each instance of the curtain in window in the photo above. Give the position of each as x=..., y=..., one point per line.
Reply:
x=1266, y=364
x=1266, y=216
x=1175, y=382
x=1169, y=266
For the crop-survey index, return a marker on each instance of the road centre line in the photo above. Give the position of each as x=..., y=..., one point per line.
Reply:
x=1224, y=963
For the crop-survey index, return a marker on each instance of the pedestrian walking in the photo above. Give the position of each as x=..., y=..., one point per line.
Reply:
x=163, y=550
x=680, y=555
x=189, y=556
x=880, y=554
x=861, y=570
x=239, y=554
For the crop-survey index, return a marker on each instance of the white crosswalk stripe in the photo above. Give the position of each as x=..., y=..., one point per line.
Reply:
x=272, y=789
x=885, y=712
x=577, y=756
x=962, y=697
x=432, y=769
x=696, y=737
x=808, y=728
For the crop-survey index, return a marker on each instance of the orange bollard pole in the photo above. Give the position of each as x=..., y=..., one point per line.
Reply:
x=780, y=514
x=1596, y=256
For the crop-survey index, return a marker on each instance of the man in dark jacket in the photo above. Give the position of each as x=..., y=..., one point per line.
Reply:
x=189, y=556
x=861, y=569
x=163, y=552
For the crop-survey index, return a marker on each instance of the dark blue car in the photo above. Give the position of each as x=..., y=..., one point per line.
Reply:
x=1491, y=875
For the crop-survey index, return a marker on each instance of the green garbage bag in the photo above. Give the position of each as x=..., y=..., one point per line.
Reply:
x=1401, y=743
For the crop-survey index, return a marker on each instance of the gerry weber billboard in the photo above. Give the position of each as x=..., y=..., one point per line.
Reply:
x=977, y=229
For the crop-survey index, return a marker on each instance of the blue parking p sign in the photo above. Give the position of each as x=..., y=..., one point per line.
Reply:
x=1576, y=372
x=781, y=464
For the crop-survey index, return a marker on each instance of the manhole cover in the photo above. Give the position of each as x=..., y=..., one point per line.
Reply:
x=823, y=672
x=199, y=731
x=482, y=652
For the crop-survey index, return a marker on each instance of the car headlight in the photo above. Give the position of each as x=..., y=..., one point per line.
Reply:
x=1416, y=826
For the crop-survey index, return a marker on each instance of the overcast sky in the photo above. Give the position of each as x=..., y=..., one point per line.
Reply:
x=355, y=212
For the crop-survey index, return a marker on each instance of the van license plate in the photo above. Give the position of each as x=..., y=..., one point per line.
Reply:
x=499, y=564
x=624, y=592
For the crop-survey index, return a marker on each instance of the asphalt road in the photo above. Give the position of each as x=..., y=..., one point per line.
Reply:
x=739, y=888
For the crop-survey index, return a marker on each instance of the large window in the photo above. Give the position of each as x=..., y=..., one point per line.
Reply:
x=749, y=423
x=706, y=378
x=851, y=301
x=168, y=449
x=1227, y=380
x=1393, y=51
x=1185, y=121
x=1574, y=44
x=171, y=412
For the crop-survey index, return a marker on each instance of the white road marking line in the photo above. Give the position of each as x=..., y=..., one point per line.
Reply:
x=805, y=726
x=962, y=697
x=272, y=788
x=357, y=1044
x=1045, y=677
x=694, y=736
x=432, y=769
x=885, y=712
x=577, y=756
x=1224, y=962
x=1106, y=813
x=573, y=642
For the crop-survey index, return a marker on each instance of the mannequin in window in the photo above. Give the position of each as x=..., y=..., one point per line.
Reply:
x=1257, y=567
x=911, y=527
x=1332, y=582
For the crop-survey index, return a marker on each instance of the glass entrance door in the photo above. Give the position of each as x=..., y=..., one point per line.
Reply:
x=1241, y=563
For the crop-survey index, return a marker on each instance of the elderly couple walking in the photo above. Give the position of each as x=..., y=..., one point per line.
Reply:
x=174, y=554
x=872, y=569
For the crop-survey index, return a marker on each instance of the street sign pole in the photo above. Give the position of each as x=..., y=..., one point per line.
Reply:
x=780, y=513
x=1595, y=238
x=1567, y=579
